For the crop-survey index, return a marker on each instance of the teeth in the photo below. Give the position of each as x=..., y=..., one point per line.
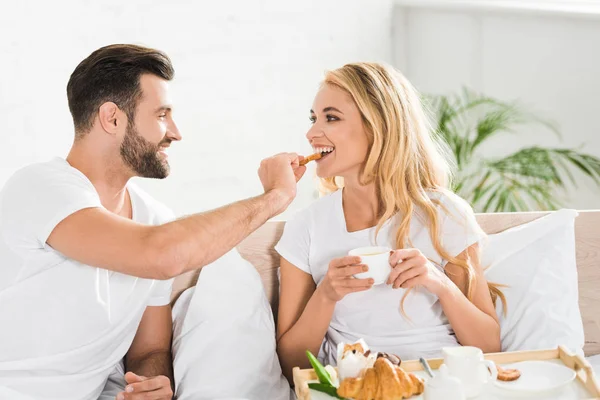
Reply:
x=323, y=149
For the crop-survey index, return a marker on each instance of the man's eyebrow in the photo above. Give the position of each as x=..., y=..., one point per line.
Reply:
x=164, y=108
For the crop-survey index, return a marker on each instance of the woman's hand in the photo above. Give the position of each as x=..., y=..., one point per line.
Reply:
x=339, y=280
x=411, y=268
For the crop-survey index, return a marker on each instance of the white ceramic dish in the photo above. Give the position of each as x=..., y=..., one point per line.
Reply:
x=538, y=377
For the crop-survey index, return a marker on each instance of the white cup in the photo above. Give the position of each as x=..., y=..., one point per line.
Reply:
x=377, y=258
x=468, y=365
x=443, y=386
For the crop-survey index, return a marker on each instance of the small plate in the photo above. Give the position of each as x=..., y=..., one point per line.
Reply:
x=538, y=377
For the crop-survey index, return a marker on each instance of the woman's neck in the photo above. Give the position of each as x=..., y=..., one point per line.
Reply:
x=360, y=204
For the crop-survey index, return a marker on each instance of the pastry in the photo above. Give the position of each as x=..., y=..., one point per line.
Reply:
x=384, y=381
x=394, y=359
x=310, y=158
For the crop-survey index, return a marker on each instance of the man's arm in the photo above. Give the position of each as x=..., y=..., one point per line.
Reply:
x=99, y=238
x=148, y=363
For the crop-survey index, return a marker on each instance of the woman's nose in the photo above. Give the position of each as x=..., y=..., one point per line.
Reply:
x=313, y=132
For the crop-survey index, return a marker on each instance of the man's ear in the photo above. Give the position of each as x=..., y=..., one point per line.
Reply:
x=110, y=117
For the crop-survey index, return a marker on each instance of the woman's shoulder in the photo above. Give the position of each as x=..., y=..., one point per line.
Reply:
x=450, y=204
x=300, y=230
x=320, y=208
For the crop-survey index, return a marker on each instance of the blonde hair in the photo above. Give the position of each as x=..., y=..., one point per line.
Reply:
x=404, y=161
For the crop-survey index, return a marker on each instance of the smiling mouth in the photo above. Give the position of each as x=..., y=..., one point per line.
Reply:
x=324, y=151
x=163, y=153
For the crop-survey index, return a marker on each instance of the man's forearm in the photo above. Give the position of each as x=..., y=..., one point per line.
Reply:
x=152, y=364
x=200, y=239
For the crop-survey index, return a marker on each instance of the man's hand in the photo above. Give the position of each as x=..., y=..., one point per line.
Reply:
x=280, y=174
x=148, y=360
x=142, y=388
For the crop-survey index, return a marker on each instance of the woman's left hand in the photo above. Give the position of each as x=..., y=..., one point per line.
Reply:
x=411, y=268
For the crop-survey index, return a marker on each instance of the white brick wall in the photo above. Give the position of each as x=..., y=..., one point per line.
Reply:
x=246, y=74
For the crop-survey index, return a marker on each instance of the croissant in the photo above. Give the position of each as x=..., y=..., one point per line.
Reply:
x=384, y=381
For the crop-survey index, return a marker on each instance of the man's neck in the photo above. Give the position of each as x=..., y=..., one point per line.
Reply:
x=106, y=176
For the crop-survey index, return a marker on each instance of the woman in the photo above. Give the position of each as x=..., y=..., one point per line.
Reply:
x=387, y=179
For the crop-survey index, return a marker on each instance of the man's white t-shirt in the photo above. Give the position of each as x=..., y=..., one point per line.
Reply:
x=318, y=234
x=64, y=326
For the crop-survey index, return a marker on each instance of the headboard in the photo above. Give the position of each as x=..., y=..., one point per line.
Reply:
x=258, y=249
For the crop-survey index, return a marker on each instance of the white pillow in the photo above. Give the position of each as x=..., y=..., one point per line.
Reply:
x=537, y=262
x=224, y=336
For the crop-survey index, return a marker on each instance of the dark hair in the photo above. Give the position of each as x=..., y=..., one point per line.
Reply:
x=112, y=73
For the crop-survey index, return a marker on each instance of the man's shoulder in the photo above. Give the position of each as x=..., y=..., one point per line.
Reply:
x=38, y=168
x=38, y=175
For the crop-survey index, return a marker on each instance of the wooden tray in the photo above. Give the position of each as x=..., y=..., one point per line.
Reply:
x=587, y=385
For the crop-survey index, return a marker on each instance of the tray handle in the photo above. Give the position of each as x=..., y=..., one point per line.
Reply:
x=301, y=383
x=582, y=367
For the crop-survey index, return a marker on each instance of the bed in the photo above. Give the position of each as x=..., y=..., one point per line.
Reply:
x=258, y=250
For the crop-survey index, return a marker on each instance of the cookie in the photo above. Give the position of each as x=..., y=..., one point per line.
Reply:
x=508, y=375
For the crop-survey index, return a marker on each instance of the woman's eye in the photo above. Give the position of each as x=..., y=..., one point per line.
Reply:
x=331, y=118
x=312, y=120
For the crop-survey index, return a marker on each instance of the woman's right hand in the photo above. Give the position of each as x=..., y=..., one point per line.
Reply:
x=339, y=280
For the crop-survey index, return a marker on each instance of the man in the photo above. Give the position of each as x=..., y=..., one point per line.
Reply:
x=87, y=258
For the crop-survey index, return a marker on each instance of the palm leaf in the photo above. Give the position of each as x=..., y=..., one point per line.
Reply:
x=508, y=195
x=548, y=164
x=466, y=120
x=533, y=162
x=502, y=118
x=565, y=169
x=482, y=188
x=586, y=163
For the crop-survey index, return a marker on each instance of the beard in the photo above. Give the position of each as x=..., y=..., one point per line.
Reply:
x=142, y=156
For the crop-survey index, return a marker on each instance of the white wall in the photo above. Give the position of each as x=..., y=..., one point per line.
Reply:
x=549, y=61
x=246, y=74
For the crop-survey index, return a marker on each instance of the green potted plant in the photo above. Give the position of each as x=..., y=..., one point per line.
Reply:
x=525, y=180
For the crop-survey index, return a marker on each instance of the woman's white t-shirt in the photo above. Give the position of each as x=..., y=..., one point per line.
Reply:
x=318, y=234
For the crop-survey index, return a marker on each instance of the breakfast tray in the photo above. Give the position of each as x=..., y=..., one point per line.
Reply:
x=584, y=387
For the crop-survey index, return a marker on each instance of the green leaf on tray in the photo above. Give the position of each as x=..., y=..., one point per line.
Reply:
x=320, y=370
x=325, y=388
